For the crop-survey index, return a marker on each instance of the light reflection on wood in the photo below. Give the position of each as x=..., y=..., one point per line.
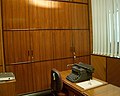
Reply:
x=44, y=3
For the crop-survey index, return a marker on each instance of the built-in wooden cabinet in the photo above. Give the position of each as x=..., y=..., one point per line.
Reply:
x=41, y=35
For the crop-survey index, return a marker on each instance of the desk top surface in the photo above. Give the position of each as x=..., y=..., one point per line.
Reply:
x=107, y=90
x=104, y=90
x=73, y=85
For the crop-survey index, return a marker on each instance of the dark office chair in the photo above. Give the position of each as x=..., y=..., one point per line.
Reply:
x=56, y=86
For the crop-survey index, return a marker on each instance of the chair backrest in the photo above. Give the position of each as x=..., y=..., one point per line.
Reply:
x=56, y=81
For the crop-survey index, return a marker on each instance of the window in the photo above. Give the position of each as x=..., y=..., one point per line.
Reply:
x=106, y=27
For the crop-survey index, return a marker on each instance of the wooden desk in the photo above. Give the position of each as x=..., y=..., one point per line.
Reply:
x=72, y=88
x=107, y=90
x=7, y=88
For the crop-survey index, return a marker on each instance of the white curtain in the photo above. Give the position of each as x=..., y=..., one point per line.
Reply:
x=106, y=27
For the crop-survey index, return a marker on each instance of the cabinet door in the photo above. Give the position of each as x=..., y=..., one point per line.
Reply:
x=61, y=16
x=81, y=42
x=42, y=75
x=79, y=15
x=62, y=41
x=49, y=14
x=42, y=45
x=15, y=14
x=24, y=77
x=16, y=46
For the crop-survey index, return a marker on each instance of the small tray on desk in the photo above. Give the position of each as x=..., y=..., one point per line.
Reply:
x=6, y=76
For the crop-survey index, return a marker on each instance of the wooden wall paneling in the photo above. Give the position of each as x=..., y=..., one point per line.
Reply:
x=84, y=59
x=62, y=41
x=24, y=77
x=79, y=15
x=113, y=71
x=81, y=42
x=16, y=46
x=42, y=45
x=99, y=63
x=42, y=75
x=81, y=1
x=15, y=14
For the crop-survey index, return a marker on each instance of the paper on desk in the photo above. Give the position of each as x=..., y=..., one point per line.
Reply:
x=89, y=84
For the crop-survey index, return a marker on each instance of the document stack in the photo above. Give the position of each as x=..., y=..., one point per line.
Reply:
x=89, y=84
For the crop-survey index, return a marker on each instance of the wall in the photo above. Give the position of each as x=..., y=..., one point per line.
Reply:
x=38, y=38
x=106, y=68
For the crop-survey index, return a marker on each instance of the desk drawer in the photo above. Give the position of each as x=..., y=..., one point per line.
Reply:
x=71, y=91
